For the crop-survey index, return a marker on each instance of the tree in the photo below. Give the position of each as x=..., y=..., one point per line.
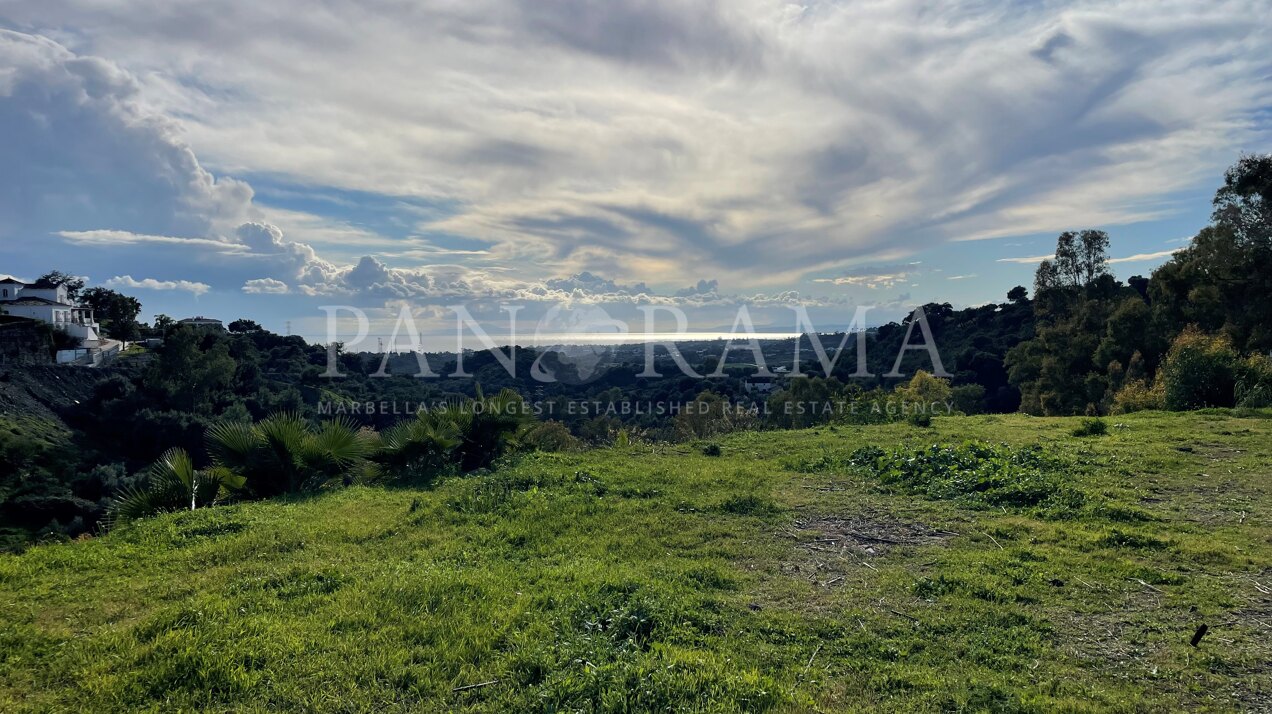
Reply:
x=244, y=326
x=1220, y=280
x=73, y=283
x=117, y=313
x=1046, y=278
x=1093, y=259
x=1081, y=258
x=191, y=377
x=163, y=323
x=1018, y=294
x=1244, y=202
x=1068, y=261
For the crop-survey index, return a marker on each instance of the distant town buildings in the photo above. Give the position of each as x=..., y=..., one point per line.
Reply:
x=48, y=302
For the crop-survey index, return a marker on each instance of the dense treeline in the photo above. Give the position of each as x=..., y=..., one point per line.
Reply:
x=1194, y=334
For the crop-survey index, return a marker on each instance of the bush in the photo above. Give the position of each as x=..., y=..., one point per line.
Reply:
x=1137, y=395
x=1092, y=427
x=1199, y=371
x=923, y=388
x=923, y=421
x=711, y=450
x=464, y=436
x=1254, y=382
x=550, y=436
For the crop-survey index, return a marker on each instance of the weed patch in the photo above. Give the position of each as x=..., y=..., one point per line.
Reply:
x=977, y=475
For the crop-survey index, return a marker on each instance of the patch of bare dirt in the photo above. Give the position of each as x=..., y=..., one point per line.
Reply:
x=867, y=534
x=834, y=550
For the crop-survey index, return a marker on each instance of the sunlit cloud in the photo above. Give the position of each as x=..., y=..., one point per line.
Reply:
x=1139, y=257
x=127, y=281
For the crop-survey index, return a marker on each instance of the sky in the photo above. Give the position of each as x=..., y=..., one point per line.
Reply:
x=262, y=159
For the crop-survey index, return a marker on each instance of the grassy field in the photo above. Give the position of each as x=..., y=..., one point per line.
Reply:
x=792, y=572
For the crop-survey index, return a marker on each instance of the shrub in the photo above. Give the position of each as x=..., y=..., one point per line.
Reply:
x=923, y=388
x=1254, y=382
x=466, y=436
x=1092, y=427
x=711, y=450
x=1138, y=395
x=418, y=449
x=923, y=421
x=1199, y=371
x=968, y=398
x=550, y=436
x=285, y=454
x=172, y=483
x=709, y=415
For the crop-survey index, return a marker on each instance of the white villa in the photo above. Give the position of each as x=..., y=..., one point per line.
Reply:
x=47, y=302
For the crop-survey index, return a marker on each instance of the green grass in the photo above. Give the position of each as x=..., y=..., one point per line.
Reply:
x=781, y=575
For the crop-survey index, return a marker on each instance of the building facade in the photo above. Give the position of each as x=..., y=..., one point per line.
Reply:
x=47, y=302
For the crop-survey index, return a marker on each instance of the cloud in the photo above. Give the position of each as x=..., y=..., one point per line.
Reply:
x=1027, y=260
x=874, y=276
x=124, y=238
x=1128, y=259
x=265, y=286
x=654, y=142
x=703, y=287
x=960, y=277
x=588, y=150
x=127, y=281
x=82, y=152
x=1138, y=257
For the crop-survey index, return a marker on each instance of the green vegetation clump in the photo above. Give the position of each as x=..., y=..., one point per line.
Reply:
x=978, y=475
x=1091, y=427
x=1199, y=371
x=922, y=421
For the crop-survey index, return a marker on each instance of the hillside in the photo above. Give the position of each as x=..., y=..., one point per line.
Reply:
x=794, y=572
x=45, y=392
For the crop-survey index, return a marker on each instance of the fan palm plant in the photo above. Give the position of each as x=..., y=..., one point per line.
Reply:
x=172, y=483
x=465, y=435
x=489, y=426
x=284, y=454
x=420, y=448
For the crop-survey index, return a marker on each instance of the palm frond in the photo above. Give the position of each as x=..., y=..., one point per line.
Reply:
x=232, y=444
